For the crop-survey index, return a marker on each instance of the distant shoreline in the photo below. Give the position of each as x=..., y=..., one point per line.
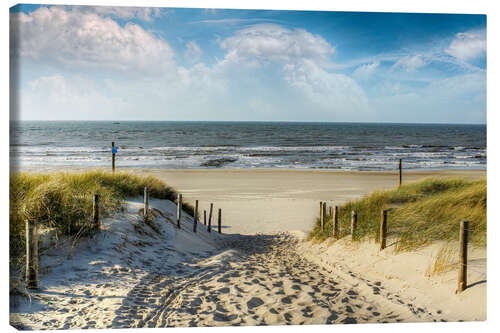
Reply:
x=257, y=170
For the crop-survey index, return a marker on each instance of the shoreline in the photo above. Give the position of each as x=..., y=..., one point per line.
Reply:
x=319, y=170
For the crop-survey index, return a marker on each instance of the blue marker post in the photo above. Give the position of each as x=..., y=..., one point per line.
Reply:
x=114, y=150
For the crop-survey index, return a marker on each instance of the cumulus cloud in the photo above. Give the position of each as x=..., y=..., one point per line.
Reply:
x=84, y=38
x=410, y=63
x=302, y=57
x=271, y=42
x=364, y=72
x=193, y=52
x=468, y=45
x=142, y=13
x=293, y=62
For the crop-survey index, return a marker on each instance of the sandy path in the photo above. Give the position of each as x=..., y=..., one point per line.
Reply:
x=260, y=282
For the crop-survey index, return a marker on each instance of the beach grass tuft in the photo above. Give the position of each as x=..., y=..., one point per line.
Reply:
x=63, y=200
x=420, y=213
x=445, y=260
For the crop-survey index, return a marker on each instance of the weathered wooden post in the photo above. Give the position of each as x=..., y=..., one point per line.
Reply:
x=462, y=244
x=383, y=229
x=204, y=217
x=335, y=221
x=113, y=152
x=146, y=202
x=179, y=210
x=210, y=217
x=330, y=211
x=95, y=215
x=321, y=212
x=219, y=221
x=400, y=172
x=354, y=223
x=31, y=255
x=324, y=217
x=195, y=220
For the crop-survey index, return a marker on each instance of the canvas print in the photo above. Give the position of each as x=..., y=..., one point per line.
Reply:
x=193, y=167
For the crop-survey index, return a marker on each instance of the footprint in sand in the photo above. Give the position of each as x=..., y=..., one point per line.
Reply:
x=254, y=302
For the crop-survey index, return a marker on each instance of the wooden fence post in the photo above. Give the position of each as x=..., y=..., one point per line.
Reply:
x=383, y=229
x=95, y=215
x=400, y=172
x=146, y=202
x=113, y=156
x=204, y=217
x=195, y=222
x=330, y=211
x=210, y=217
x=179, y=210
x=335, y=222
x=354, y=223
x=31, y=255
x=462, y=244
x=323, y=217
x=219, y=221
x=321, y=212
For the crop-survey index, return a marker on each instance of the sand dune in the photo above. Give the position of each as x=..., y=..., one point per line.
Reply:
x=132, y=276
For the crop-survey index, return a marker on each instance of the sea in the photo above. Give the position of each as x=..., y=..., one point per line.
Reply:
x=212, y=145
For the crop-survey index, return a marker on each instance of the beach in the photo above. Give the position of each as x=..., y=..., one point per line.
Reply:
x=270, y=200
x=197, y=167
x=260, y=271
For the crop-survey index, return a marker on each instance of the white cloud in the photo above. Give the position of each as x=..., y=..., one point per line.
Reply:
x=303, y=58
x=329, y=91
x=410, y=63
x=143, y=13
x=193, y=52
x=264, y=65
x=364, y=72
x=468, y=45
x=76, y=97
x=86, y=39
x=271, y=42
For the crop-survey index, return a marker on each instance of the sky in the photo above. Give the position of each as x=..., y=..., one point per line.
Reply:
x=132, y=63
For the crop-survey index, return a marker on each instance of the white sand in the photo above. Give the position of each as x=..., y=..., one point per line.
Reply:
x=405, y=278
x=131, y=276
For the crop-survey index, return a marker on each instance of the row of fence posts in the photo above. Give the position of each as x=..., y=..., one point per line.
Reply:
x=462, y=241
x=195, y=217
x=32, y=232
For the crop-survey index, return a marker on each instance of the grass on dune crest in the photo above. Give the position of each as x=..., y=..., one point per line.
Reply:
x=64, y=200
x=421, y=213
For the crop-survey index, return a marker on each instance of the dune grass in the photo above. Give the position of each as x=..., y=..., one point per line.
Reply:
x=420, y=213
x=63, y=200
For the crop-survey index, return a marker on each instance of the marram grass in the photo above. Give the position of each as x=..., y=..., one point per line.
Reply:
x=63, y=200
x=421, y=213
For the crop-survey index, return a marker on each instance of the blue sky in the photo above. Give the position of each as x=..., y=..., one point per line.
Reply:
x=130, y=63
